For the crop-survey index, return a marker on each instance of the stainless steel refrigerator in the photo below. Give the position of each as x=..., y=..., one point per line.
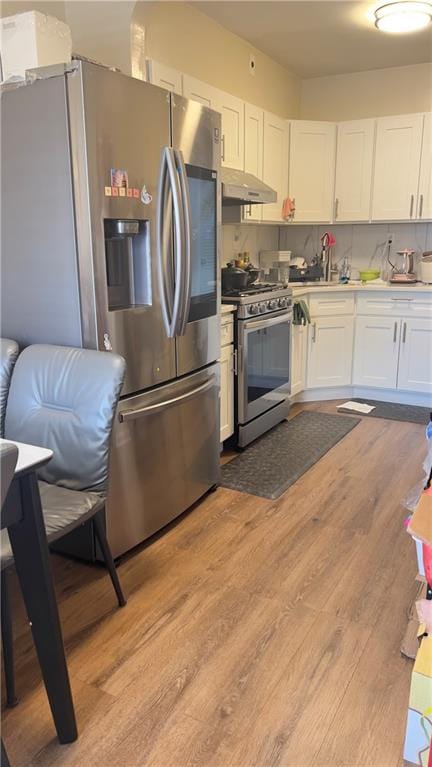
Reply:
x=110, y=240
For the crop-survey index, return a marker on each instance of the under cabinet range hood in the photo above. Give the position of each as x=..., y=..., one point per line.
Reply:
x=240, y=188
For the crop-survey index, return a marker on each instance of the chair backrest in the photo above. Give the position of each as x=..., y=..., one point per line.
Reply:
x=8, y=356
x=8, y=461
x=65, y=399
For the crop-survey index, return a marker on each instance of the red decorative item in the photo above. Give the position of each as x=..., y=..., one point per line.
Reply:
x=427, y=561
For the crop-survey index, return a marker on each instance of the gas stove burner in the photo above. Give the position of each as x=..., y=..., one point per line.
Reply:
x=257, y=287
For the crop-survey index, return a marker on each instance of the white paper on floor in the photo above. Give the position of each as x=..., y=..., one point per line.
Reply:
x=356, y=407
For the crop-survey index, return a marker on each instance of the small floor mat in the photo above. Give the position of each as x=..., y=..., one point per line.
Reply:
x=395, y=412
x=276, y=460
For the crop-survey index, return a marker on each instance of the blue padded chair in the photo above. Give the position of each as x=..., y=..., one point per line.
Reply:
x=65, y=399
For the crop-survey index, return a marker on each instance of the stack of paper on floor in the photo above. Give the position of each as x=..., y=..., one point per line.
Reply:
x=356, y=407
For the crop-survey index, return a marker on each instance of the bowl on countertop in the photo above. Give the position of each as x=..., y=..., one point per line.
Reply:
x=369, y=274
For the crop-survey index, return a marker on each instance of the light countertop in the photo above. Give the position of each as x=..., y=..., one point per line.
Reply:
x=227, y=309
x=418, y=287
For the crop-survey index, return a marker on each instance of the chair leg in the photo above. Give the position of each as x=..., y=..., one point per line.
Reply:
x=106, y=552
x=7, y=641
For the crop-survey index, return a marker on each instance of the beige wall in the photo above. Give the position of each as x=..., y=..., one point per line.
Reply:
x=179, y=35
x=379, y=92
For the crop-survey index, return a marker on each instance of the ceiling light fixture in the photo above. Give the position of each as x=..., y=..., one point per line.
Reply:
x=403, y=17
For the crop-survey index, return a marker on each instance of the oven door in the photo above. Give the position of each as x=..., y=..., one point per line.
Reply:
x=264, y=357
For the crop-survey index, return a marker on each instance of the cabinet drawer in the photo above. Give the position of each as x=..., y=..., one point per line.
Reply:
x=395, y=305
x=227, y=332
x=331, y=304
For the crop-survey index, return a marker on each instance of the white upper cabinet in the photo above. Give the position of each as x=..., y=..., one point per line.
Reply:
x=311, y=169
x=232, y=113
x=424, y=204
x=275, y=163
x=165, y=77
x=254, y=144
x=354, y=161
x=232, y=110
x=198, y=91
x=397, y=167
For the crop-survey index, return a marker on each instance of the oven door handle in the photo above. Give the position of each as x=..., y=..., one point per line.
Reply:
x=260, y=324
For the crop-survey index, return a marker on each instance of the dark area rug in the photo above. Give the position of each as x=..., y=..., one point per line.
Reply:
x=395, y=412
x=277, y=459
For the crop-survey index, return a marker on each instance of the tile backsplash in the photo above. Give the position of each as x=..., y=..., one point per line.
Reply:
x=361, y=243
x=236, y=238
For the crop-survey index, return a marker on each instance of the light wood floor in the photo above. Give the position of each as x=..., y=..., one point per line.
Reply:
x=257, y=633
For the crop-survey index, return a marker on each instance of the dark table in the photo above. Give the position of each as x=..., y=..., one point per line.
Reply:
x=22, y=515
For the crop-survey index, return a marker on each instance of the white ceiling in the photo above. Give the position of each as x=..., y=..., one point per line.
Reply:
x=314, y=38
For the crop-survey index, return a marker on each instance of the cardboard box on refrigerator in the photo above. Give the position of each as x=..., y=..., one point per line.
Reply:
x=29, y=40
x=419, y=720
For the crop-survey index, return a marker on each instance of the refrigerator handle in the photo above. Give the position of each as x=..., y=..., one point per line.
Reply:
x=170, y=195
x=185, y=297
x=130, y=415
x=162, y=235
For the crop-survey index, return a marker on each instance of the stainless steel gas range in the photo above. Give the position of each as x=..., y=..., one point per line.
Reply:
x=263, y=327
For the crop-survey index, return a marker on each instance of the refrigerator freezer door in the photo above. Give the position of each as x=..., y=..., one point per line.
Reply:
x=164, y=457
x=196, y=143
x=119, y=126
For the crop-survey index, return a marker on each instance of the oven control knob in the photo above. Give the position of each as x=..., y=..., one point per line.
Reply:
x=282, y=303
x=272, y=304
x=253, y=309
x=262, y=308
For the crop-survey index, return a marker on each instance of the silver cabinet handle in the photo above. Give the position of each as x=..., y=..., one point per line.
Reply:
x=421, y=206
x=129, y=415
x=186, y=268
x=401, y=299
x=412, y=206
x=395, y=332
x=314, y=332
x=294, y=203
x=223, y=147
x=404, y=332
x=336, y=208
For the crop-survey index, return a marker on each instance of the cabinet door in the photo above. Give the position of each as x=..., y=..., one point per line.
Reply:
x=354, y=157
x=199, y=91
x=424, y=207
x=226, y=392
x=330, y=351
x=275, y=163
x=232, y=112
x=376, y=352
x=254, y=140
x=397, y=166
x=298, y=359
x=415, y=360
x=312, y=169
x=165, y=77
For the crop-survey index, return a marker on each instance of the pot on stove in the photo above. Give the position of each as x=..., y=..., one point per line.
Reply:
x=234, y=278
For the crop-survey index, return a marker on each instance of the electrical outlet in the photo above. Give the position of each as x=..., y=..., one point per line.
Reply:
x=252, y=65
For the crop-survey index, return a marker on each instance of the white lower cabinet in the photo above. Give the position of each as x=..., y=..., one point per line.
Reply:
x=376, y=352
x=226, y=392
x=298, y=358
x=330, y=351
x=415, y=359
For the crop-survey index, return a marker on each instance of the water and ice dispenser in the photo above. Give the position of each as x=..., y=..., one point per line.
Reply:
x=127, y=263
